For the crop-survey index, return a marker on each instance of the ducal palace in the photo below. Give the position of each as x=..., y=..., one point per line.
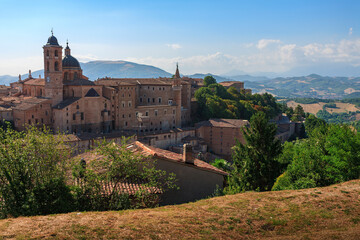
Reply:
x=66, y=100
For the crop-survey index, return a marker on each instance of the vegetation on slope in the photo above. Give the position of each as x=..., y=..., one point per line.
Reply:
x=37, y=177
x=320, y=213
x=215, y=101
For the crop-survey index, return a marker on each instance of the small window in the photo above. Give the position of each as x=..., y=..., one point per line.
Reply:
x=56, y=53
x=74, y=116
x=160, y=99
x=153, y=100
x=156, y=112
x=56, y=65
x=141, y=99
x=129, y=103
x=82, y=116
x=170, y=102
x=47, y=53
x=146, y=113
x=77, y=107
x=148, y=100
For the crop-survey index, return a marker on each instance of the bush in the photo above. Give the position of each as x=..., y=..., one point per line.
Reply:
x=330, y=155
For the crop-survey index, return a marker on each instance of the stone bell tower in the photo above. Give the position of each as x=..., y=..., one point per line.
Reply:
x=176, y=87
x=53, y=70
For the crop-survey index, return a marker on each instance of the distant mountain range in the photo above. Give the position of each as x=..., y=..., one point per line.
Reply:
x=314, y=86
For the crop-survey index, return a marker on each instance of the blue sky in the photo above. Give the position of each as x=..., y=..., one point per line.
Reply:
x=282, y=37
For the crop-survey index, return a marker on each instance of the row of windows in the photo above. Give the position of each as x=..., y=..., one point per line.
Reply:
x=153, y=88
x=56, y=66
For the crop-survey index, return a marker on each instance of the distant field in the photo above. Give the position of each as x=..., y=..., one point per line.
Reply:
x=315, y=107
x=319, y=213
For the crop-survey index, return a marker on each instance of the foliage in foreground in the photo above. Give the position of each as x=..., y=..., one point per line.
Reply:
x=254, y=163
x=330, y=155
x=36, y=177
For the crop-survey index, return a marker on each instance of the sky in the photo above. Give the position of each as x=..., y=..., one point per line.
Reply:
x=278, y=37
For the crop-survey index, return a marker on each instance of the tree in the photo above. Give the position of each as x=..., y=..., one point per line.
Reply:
x=32, y=173
x=330, y=155
x=208, y=80
x=299, y=113
x=254, y=163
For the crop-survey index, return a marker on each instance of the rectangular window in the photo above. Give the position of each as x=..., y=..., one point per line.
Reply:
x=74, y=116
x=129, y=103
x=156, y=112
x=82, y=116
x=141, y=99
x=160, y=99
x=146, y=113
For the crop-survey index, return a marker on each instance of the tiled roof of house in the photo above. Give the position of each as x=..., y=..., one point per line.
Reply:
x=124, y=186
x=222, y=122
x=171, y=156
x=30, y=103
x=92, y=93
x=229, y=83
x=133, y=81
x=35, y=81
x=79, y=82
x=65, y=103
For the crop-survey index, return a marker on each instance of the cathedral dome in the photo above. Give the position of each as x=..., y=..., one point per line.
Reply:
x=52, y=41
x=70, y=61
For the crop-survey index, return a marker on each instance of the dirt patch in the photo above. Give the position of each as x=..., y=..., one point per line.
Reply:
x=320, y=213
x=315, y=107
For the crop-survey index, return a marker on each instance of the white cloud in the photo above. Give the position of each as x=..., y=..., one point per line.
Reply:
x=350, y=31
x=263, y=43
x=174, y=46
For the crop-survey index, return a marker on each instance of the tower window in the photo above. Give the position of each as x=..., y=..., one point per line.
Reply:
x=56, y=66
x=48, y=66
x=47, y=53
x=65, y=76
x=56, y=53
x=75, y=76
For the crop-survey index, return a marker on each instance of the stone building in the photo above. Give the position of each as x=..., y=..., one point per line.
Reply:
x=65, y=100
x=239, y=86
x=221, y=134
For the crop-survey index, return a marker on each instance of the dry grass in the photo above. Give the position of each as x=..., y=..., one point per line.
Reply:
x=322, y=213
x=315, y=107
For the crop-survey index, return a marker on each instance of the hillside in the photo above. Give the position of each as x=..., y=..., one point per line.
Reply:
x=311, y=86
x=315, y=107
x=98, y=69
x=322, y=213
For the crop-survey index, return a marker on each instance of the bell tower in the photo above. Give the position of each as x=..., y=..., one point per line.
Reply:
x=53, y=70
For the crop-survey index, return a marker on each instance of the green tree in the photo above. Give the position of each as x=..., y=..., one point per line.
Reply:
x=117, y=166
x=32, y=173
x=254, y=163
x=330, y=155
x=208, y=80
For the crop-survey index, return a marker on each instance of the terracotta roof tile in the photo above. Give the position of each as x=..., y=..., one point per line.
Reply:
x=222, y=122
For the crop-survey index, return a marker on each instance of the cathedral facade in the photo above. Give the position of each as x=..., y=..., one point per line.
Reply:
x=67, y=101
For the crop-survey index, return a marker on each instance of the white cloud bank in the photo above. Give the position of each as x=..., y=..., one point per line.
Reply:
x=265, y=55
x=174, y=46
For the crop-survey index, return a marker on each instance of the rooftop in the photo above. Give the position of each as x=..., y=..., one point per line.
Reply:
x=221, y=122
x=171, y=156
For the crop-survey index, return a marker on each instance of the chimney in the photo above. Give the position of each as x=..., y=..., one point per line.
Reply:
x=188, y=154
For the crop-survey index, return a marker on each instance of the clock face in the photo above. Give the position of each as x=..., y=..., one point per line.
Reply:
x=47, y=79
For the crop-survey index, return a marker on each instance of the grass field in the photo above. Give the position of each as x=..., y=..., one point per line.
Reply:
x=315, y=107
x=322, y=213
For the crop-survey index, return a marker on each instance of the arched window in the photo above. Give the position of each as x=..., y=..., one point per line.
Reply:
x=48, y=66
x=56, y=66
x=75, y=76
x=56, y=53
x=65, y=76
x=47, y=53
